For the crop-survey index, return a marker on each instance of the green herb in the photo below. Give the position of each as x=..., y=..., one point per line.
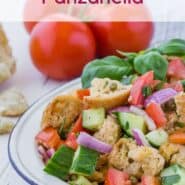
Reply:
x=130, y=56
x=183, y=83
x=180, y=124
x=174, y=47
x=170, y=180
x=151, y=61
x=159, y=86
x=146, y=91
x=110, y=67
x=113, y=86
x=127, y=80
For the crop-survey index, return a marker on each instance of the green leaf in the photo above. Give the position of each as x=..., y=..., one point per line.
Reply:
x=173, y=47
x=170, y=180
x=146, y=91
x=151, y=61
x=109, y=67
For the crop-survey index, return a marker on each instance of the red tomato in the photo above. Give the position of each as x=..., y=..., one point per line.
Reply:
x=149, y=180
x=175, y=85
x=114, y=32
x=81, y=93
x=71, y=141
x=116, y=177
x=49, y=138
x=176, y=69
x=61, y=49
x=136, y=97
x=77, y=127
x=155, y=111
x=35, y=10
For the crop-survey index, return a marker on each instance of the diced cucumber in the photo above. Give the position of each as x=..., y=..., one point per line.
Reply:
x=173, y=175
x=84, y=161
x=80, y=181
x=59, y=165
x=157, y=137
x=130, y=121
x=93, y=118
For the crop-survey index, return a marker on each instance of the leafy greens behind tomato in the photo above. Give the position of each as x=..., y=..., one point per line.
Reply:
x=132, y=64
x=109, y=67
x=173, y=47
x=151, y=61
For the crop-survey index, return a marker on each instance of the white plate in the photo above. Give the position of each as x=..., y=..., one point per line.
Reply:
x=21, y=147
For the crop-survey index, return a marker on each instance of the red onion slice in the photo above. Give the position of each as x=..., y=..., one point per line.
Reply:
x=150, y=123
x=50, y=152
x=89, y=141
x=161, y=96
x=119, y=109
x=140, y=138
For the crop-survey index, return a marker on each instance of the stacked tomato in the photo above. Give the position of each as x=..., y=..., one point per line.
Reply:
x=61, y=49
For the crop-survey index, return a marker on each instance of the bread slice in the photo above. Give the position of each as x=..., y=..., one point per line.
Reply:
x=7, y=61
x=62, y=111
x=103, y=96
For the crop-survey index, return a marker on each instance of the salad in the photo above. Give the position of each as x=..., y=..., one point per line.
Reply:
x=126, y=126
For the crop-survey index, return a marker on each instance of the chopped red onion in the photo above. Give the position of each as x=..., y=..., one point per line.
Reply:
x=150, y=123
x=140, y=138
x=119, y=109
x=161, y=96
x=50, y=152
x=91, y=142
x=43, y=153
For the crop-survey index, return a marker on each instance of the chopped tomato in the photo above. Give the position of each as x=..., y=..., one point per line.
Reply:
x=175, y=85
x=81, y=93
x=77, y=127
x=62, y=142
x=71, y=141
x=116, y=177
x=177, y=138
x=149, y=180
x=155, y=111
x=176, y=69
x=136, y=96
x=48, y=137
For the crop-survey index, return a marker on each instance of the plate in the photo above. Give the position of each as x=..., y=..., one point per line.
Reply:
x=22, y=151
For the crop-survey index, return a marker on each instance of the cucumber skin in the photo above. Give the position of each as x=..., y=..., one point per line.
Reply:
x=173, y=171
x=84, y=161
x=88, y=117
x=59, y=165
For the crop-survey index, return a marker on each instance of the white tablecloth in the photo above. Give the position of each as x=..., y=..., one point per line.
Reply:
x=33, y=84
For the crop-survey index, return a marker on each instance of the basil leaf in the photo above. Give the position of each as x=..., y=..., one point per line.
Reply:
x=151, y=61
x=146, y=91
x=109, y=67
x=173, y=47
x=170, y=180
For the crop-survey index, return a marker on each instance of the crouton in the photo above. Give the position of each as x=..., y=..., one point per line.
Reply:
x=173, y=153
x=136, y=160
x=7, y=62
x=167, y=150
x=6, y=125
x=118, y=157
x=148, y=160
x=62, y=111
x=110, y=131
x=107, y=93
x=180, y=106
x=12, y=103
x=179, y=158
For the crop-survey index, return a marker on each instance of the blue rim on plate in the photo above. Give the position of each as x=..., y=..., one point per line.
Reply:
x=10, y=155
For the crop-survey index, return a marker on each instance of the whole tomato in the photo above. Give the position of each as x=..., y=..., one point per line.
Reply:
x=114, y=31
x=61, y=49
x=34, y=10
